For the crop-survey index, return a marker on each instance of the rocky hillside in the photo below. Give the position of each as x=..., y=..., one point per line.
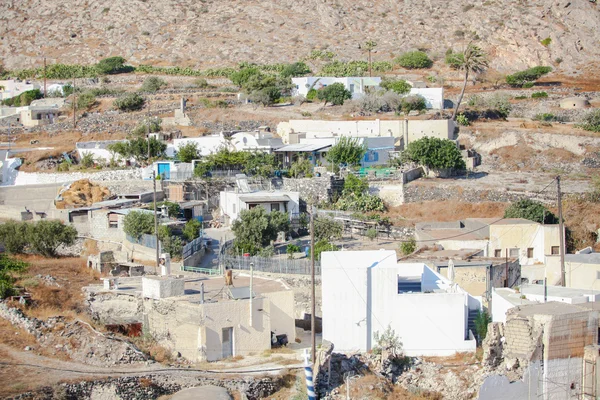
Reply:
x=215, y=33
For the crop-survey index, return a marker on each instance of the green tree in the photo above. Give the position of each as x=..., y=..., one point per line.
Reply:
x=24, y=99
x=414, y=60
x=371, y=233
x=45, y=237
x=279, y=222
x=14, y=236
x=530, y=75
x=336, y=94
x=321, y=246
x=435, y=153
x=153, y=84
x=473, y=60
x=192, y=228
x=327, y=229
x=241, y=77
x=396, y=85
x=86, y=100
x=137, y=223
x=531, y=210
x=188, y=152
x=130, y=102
x=111, y=65
x=173, y=209
x=408, y=247
x=138, y=149
x=266, y=96
x=454, y=60
x=9, y=266
x=291, y=249
x=261, y=164
x=355, y=185
x=482, y=321
x=148, y=125
x=302, y=167
x=255, y=229
x=295, y=70
x=347, y=151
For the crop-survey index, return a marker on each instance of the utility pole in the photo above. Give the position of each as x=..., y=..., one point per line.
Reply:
x=74, y=101
x=251, y=278
x=313, y=330
x=8, y=141
x=45, y=92
x=561, y=233
x=155, y=223
x=506, y=267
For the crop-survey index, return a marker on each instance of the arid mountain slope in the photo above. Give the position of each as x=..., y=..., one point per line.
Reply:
x=214, y=33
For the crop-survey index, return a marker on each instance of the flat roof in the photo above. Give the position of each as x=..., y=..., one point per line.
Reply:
x=303, y=147
x=246, y=198
x=550, y=308
x=590, y=258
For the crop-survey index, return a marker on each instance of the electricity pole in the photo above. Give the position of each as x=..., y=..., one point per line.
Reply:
x=74, y=101
x=313, y=330
x=561, y=233
x=45, y=92
x=155, y=223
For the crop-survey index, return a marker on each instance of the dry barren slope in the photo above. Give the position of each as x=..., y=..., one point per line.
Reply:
x=224, y=32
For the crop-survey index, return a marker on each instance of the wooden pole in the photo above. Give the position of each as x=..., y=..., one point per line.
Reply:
x=561, y=233
x=156, y=224
x=45, y=92
x=312, y=284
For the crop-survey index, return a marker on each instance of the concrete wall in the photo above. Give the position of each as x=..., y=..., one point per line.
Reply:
x=523, y=236
x=434, y=97
x=499, y=307
x=578, y=275
x=282, y=313
x=206, y=145
x=158, y=287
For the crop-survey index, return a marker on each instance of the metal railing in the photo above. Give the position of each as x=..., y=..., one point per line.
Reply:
x=272, y=265
x=192, y=247
x=144, y=240
x=208, y=271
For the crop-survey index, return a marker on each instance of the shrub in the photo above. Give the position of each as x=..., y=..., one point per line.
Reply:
x=192, y=228
x=13, y=235
x=546, y=117
x=529, y=75
x=86, y=100
x=153, y=84
x=371, y=233
x=295, y=70
x=347, y=150
x=45, y=237
x=397, y=85
x=24, y=99
x=414, y=60
x=591, y=122
x=130, y=102
x=266, y=96
x=302, y=167
x=408, y=247
x=312, y=94
x=137, y=223
x=481, y=325
x=327, y=229
x=355, y=185
x=462, y=119
x=435, y=153
x=112, y=65
x=255, y=229
x=363, y=203
x=291, y=249
x=188, y=152
x=387, y=342
x=538, y=95
x=8, y=266
x=546, y=42
x=454, y=60
x=335, y=94
x=531, y=210
x=201, y=83
x=152, y=125
x=87, y=160
x=412, y=103
x=321, y=246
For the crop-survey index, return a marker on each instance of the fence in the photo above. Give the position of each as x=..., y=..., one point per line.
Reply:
x=144, y=240
x=192, y=247
x=272, y=265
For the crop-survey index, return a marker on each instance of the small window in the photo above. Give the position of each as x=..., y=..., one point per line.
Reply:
x=113, y=220
x=514, y=252
x=530, y=252
x=497, y=253
x=555, y=250
x=274, y=206
x=233, y=208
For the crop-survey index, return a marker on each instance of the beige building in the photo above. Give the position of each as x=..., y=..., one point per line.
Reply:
x=36, y=116
x=582, y=271
x=404, y=130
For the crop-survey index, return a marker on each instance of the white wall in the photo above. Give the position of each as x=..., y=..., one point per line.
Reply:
x=356, y=85
x=230, y=204
x=434, y=97
x=14, y=88
x=206, y=144
x=499, y=307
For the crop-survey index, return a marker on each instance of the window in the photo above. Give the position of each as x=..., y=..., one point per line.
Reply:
x=274, y=206
x=251, y=206
x=113, y=220
x=351, y=88
x=530, y=252
x=497, y=253
x=554, y=250
x=514, y=252
x=233, y=208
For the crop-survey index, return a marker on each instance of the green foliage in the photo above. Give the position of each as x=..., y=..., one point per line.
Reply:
x=355, y=185
x=387, y=342
x=172, y=245
x=472, y=60
x=112, y=65
x=327, y=229
x=591, y=122
x=188, y=152
x=412, y=103
x=435, y=153
x=146, y=126
x=201, y=83
x=529, y=75
x=302, y=167
x=256, y=228
x=499, y=103
x=538, y=95
x=546, y=42
x=312, y=94
x=138, y=149
x=46, y=236
x=173, y=209
x=191, y=230
x=408, y=247
x=87, y=159
x=546, y=117
x=153, y=84
x=241, y=77
x=291, y=249
x=531, y=210
x=482, y=321
x=321, y=246
x=396, y=85
x=347, y=151
x=266, y=96
x=24, y=99
x=354, y=68
x=295, y=70
x=179, y=71
x=9, y=266
x=462, y=119
x=252, y=163
x=455, y=60
x=137, y=223
x=371, y=233
x=86, y=100
x=14, y=236
x=414, y=60
x=336, y=94
x=130, y=102
x=363, y=203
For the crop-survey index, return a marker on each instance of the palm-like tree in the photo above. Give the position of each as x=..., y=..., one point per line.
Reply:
x=472, y=60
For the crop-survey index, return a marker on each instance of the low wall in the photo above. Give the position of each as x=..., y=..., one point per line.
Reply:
x=312, y=190
x=33, y=178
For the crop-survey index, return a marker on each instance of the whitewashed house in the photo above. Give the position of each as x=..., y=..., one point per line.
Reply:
x=364, y=292
x=356, y=85
x=12, y=88
x=434, y=97
x=232, y=203
x=206, y=144
x=255, y=141
x=98, y=149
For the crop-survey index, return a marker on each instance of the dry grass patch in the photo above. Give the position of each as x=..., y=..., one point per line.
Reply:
x=13, y=336
x=448, y=210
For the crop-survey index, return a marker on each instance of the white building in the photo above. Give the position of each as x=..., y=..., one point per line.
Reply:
x=232, y=203
x=98, y=149
x=255, y=141
x=434, y=97
x=169, y=170
x=13, y=88
x=364, y=292
x=206, y=144
x=356, y=85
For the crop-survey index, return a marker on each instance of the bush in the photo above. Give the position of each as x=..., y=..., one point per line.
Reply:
x=147, y=126
x=408, y=247
x=302, y=167
x=24, y=99
x=454, y=60
x=14, y=236
x=153, y=84
x=86, y=100
x=130, y=102
x=188, y=152
x=412, y=103
x=397, y=85
x=355, y=185
x=546, y=42
x=321, y=246
x=255, y=229
x=137, y=223
x=291, y=249
x=266, y=96
x=192, y=228
x=327, y=229
x=414, y=60
x=295, y=70
x=312, y=94
x=87, y=160
x=527, y=76
x=112, y=65
x=546, y=117
x=538, y=95
x=531, y=210
x=435, y=153
x=347, y=151
x=371, y=233
x=591, y=122
x=8, y=266
x=462, y=119
x=335, y=94
x=201, y=83
x=45, y=237
x=362, y=203
x=482, y=321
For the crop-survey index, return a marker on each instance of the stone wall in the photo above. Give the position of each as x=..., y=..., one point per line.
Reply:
x=312, y=190
x=32, y=178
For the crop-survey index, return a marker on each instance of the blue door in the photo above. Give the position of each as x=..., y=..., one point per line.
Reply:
x=164, y=170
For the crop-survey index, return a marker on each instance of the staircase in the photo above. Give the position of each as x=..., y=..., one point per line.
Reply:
x=471, y=323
